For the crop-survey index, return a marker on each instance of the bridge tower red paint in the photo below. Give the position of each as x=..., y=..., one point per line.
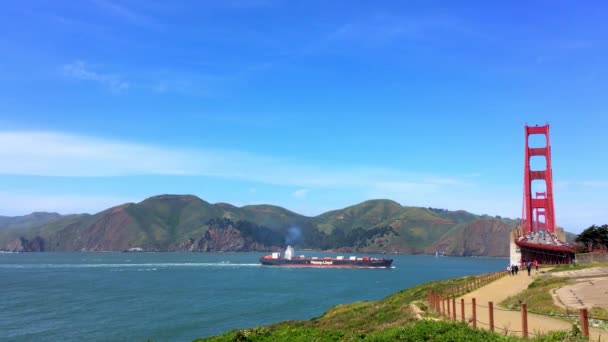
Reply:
x=538, y=212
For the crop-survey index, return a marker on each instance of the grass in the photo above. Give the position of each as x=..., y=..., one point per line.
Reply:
x=426, y=330
x=562, y=268
x=393, y=318
x=598, y=313
x=539, y=299
x=538, y=296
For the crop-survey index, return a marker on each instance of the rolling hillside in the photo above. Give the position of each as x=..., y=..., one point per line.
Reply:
x=188, y=223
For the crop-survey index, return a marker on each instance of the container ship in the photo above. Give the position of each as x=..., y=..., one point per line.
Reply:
x=288, y=259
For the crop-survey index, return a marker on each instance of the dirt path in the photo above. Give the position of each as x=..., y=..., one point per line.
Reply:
x=510, y=321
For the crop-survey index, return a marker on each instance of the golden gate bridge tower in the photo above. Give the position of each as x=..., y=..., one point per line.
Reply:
x=538, y=237
x=538, y=212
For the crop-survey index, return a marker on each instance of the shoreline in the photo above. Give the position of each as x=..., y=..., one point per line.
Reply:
x=264, y=251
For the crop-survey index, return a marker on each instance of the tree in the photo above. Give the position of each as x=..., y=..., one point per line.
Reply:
x=594, y=237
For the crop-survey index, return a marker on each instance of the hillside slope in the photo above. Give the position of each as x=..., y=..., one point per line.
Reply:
x=188, y=223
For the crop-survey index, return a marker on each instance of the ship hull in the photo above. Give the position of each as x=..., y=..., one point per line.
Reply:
x=327, y=263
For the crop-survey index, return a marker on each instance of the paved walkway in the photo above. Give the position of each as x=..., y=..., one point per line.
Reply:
x=590, y=289
x=509, y=322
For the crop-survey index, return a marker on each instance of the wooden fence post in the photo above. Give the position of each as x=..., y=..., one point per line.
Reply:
x=435, y=302
x=439, y=303
x=524, y=320
x=437, y=307
x=462, y=308
x=454, y=309
x=474, y=314
x=585, y=322
x=438, y=300
x=491, y=312
x=449, y=313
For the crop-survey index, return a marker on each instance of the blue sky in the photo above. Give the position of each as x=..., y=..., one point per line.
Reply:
x=311, y=105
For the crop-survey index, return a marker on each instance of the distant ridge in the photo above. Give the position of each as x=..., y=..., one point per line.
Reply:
x=188, y=223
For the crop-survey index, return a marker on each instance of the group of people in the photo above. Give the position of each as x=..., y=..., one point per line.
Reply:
x=513, y=268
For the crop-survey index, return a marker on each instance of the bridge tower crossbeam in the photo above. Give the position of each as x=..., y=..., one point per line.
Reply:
x=538, y=211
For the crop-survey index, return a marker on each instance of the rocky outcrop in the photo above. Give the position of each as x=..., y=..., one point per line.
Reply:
x=222, y=240
x=24, y=245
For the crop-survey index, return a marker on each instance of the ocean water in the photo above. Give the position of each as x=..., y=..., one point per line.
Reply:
x=182, y=296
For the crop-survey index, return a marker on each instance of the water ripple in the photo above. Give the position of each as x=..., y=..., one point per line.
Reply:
x=149, y=266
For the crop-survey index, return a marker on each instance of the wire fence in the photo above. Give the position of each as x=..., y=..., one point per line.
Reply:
x=443, y=301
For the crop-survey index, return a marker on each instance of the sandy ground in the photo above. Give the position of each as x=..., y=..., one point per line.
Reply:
x=510, y=322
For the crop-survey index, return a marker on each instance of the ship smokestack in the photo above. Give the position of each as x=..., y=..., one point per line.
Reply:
x=288, y=252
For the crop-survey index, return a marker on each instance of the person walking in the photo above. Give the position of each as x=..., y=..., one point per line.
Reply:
x=509, y=269
x=536, y=265
x=529, y=266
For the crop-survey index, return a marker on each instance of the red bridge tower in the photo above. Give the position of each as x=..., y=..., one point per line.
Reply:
x=537, y=211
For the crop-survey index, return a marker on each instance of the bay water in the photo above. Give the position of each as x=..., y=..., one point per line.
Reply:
x=182, y=296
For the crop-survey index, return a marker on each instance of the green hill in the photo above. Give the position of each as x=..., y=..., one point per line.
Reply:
x=187, y=223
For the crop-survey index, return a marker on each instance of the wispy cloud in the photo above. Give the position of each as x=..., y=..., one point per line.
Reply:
x=79, y=70
x=597, y=183
x=68, y=155
x=24, y=203
x=382, y=28
x=158, y=81
x=125, y=13
x=300, y=193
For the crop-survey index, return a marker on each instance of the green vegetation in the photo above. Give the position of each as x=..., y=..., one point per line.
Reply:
x=358, y=238
x=402, y=316
x=539, y=299
x=570, y=267
x=181, y=223
x=413, y=331
x=594, y=237
x=598, y=313
x=538, y=296
x=360, y=318
x=250, y=230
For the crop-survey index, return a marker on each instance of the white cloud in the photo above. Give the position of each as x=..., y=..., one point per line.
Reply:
x=14, y=204
x=79, y=70
x=578, y=204
x=301, y=193
x=60, y=154
x=57, y=154
x=67, y=155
